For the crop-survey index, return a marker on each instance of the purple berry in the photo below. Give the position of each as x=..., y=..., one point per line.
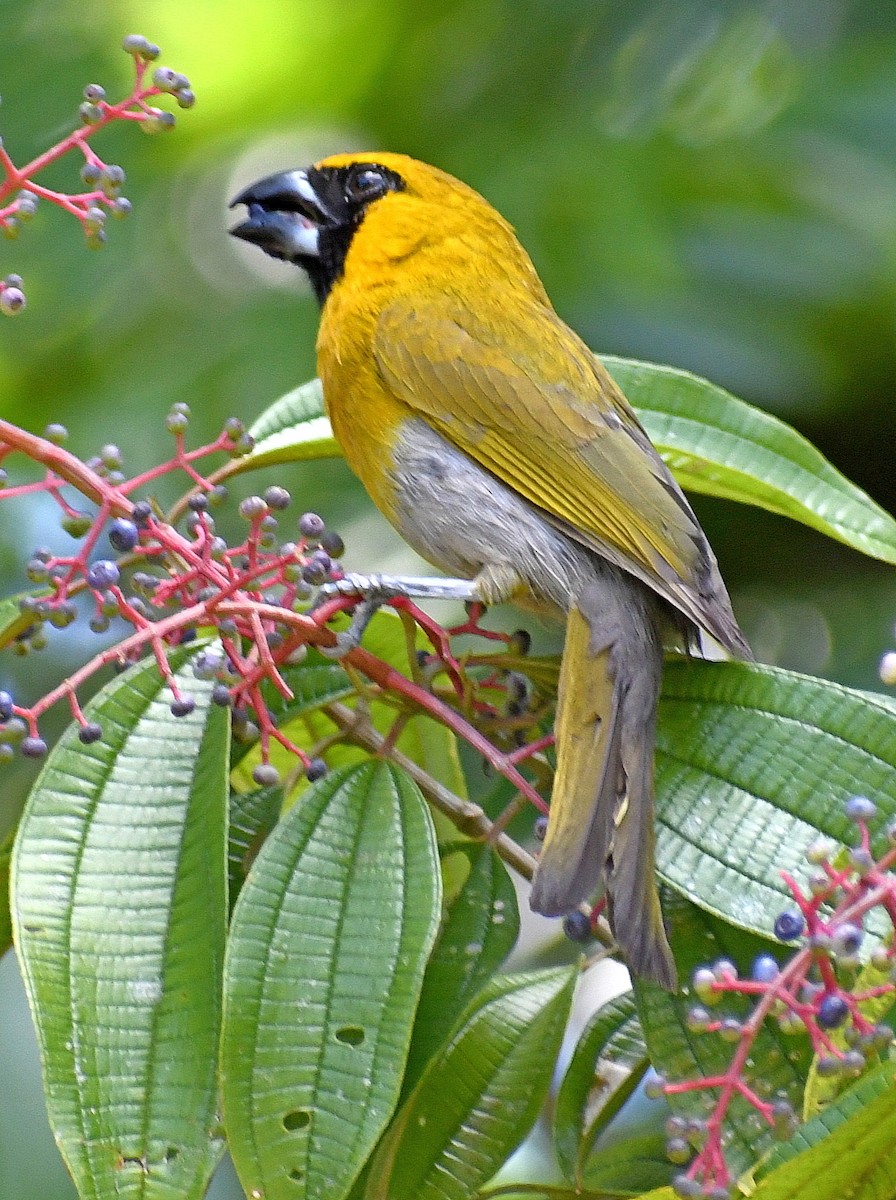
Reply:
x=91, y=732
x=103, y=574
x=540, y=829
x=315, y=770
x=182, y=706
x=789, y=926
x=123, y=534
x=765, y=969
x=33, y=747
x=5, y=706
x=577, y=926
x=832, y=1011
x=860, y=808
x=311, y=525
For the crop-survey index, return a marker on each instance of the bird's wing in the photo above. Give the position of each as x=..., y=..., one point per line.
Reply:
x=524, y=397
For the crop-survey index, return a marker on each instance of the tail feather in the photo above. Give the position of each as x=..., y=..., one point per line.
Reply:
x=601, y=827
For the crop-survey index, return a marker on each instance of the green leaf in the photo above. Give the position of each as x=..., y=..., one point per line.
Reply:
x=714, y=444
x=478, y=933
x=328, y=945
x=607, y=1065
x=120, y=911
x=752, y=763
x=630, y=1166
x=5, y=914
x=720, y=446
x=778, y=1062
x=847, y=1153
x=476, y=1101
x=252, y=817
x=294, y=428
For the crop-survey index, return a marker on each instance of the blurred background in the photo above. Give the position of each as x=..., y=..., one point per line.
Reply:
x=704, y=183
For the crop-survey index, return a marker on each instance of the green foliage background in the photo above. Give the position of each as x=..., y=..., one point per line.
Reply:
x=703, y=183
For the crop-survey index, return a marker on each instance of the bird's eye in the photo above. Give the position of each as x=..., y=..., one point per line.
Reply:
x=365, y=184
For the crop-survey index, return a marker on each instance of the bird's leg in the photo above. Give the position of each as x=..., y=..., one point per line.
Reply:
x=376, y=590
x=492, y=585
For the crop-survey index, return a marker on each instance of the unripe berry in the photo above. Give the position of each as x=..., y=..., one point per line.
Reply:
x=703, y=982
x=265, y=775
x=678, y=1150
x=186, y=98
x=698, y=1019
x=887, y=668
x=94, y=92
x=140, y=47
x=12, y=301
x=252, y=508
x=686, y=1188
x=157, y=121
x=177, y=422
x=56, y=433
x=730, y=1030
x=654, y=1088
x=90, y=114
x=277, y=498
x=165, y=79
x=91, y=173
x=846, y=939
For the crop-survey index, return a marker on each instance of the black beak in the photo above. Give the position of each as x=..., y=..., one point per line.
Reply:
x=285, y=216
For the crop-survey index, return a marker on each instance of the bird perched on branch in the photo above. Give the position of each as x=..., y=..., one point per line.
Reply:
x=495, y=442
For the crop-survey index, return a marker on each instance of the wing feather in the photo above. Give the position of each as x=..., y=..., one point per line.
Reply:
x=531, y=404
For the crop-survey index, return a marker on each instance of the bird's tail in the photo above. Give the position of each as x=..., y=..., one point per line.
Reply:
x=601, y=826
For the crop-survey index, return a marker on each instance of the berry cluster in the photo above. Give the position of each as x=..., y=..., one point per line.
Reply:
x=20, y=193
x=172, y=575
x=823, y=992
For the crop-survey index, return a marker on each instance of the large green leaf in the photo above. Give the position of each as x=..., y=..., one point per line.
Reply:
x=479, y=931
x=252, y=816
x=713, y=443
x=291, y=429
x=327, y=950
x=5, y=914
x=848, y=1152
x=607, y=1064
x=479, y=1097
x=752, y=762
x=120, y=911
x=721, y=446
x=778, y=1062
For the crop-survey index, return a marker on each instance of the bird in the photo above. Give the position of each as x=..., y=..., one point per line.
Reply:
x=500, y=448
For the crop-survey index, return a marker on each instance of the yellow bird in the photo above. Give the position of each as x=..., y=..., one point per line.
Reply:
x=499, y=447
